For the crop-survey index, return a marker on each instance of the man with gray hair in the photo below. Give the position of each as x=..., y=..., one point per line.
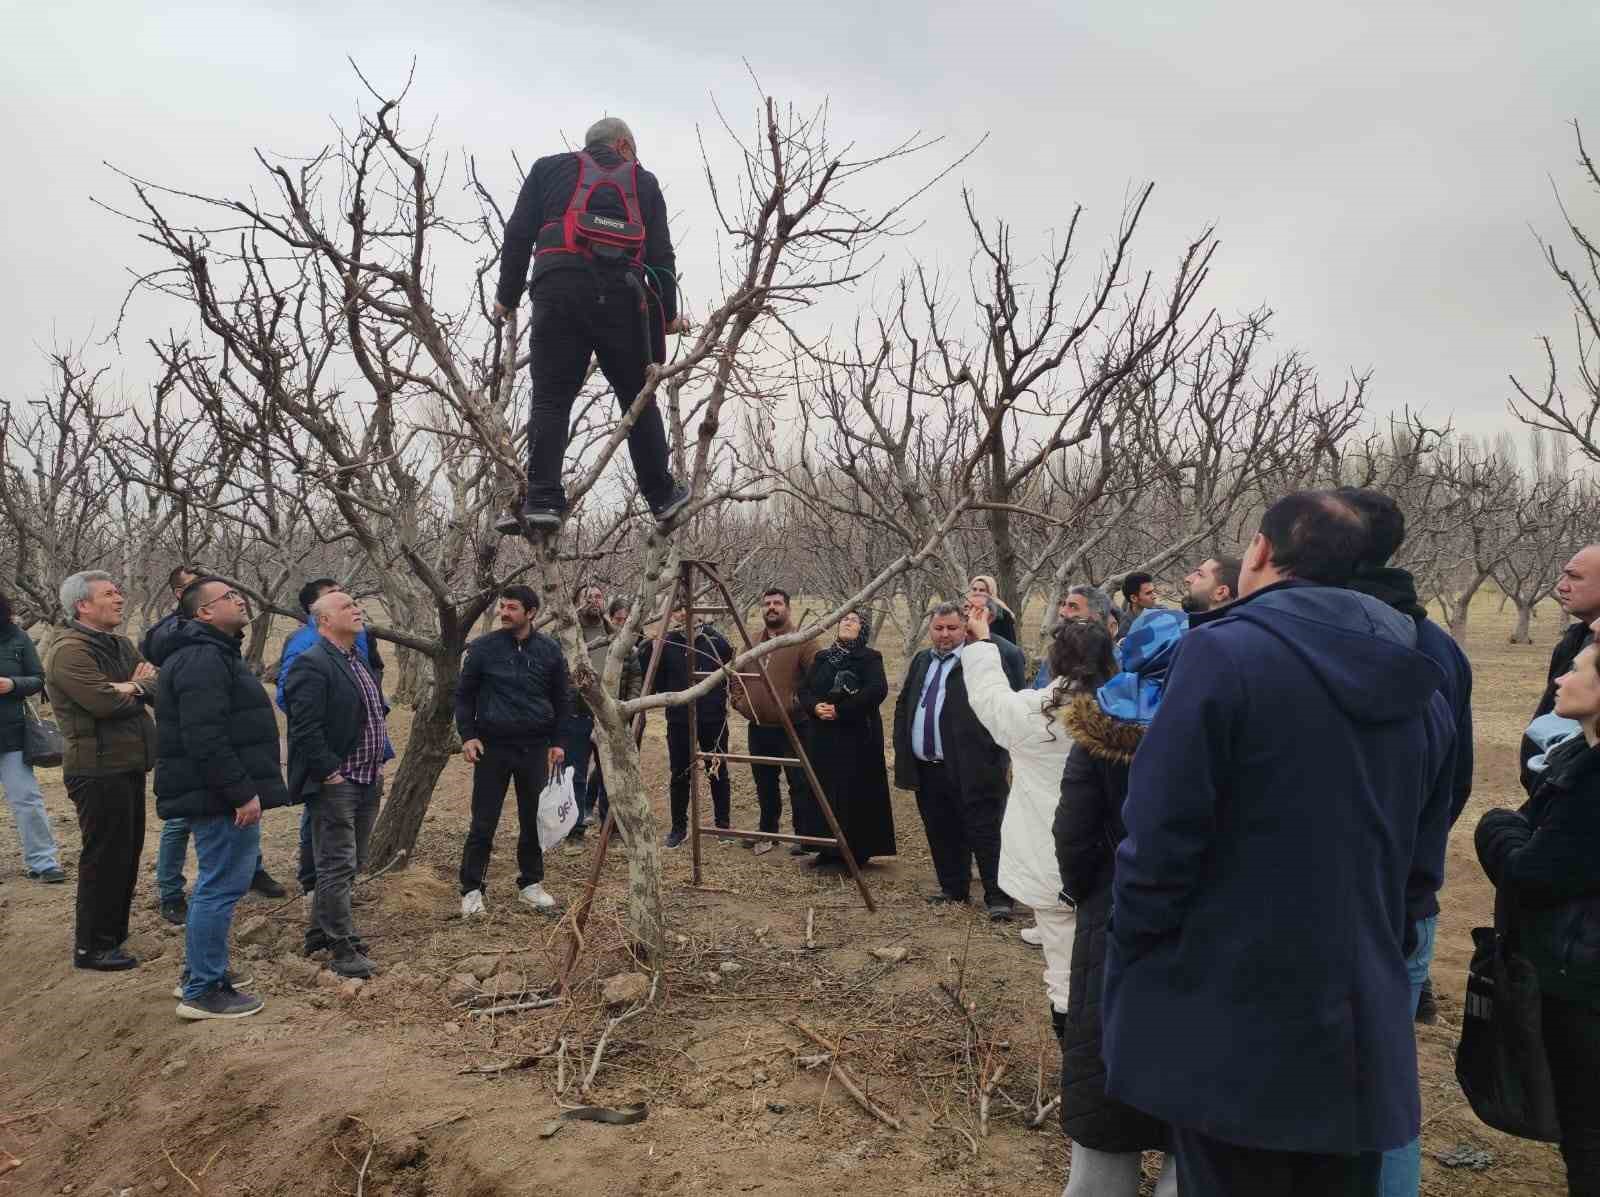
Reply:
x=99, y=688
x=1080, y=603
x=604, y=284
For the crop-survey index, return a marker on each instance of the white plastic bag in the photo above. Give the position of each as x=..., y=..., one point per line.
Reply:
x=558, y=810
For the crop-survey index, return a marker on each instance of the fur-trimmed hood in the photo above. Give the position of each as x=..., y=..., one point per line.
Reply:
x=1102, y=737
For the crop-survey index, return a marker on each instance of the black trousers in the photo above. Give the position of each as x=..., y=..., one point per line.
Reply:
x=1572, y=1042
x=111, y=823
x=1211, y=1168
x=774, y=741
x=524, y=766
x=713, y=737
x=576, y=315
x=960, y=830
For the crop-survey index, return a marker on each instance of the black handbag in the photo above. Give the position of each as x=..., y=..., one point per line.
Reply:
x=42, y=743
x=1501, y=1063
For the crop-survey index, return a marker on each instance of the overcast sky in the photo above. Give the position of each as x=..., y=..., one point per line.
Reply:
x=1375, y=170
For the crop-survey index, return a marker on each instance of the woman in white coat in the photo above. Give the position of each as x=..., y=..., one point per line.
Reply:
x=1024, y=723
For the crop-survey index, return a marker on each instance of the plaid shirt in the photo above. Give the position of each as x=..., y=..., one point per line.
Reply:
x=366, y=758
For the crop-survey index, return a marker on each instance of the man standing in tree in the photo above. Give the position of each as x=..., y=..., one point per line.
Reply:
x=604, y=284
x=510, y=702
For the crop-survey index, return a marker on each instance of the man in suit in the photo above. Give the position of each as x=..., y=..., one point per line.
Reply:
x=336, y=747
x=944, y=754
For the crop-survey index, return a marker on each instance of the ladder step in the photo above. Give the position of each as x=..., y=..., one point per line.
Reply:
x=701, y=674
x=719, y=609
x=746, y=759
x=782, y=837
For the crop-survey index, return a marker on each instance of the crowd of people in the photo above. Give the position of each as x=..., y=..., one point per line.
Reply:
x=1228, y=821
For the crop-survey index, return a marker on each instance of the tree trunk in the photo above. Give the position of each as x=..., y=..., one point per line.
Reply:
x=409, y=680
x=619, y=760
x=1523, y=633
x=1460, y=606
x=256, y=655
x=428, y=749
x=1005, y=548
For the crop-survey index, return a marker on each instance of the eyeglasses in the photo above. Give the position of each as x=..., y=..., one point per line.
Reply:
x=232, y=596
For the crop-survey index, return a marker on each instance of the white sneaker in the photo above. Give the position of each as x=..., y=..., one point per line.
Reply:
x=1033, y=935
x=534, y=895
x=471, y=903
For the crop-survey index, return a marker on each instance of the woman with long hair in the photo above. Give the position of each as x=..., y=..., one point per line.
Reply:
x=1106, y=724
x=1547, y=877
x=21, y=677
x=843, y=693
x=1006, y=625
x=1024, y=723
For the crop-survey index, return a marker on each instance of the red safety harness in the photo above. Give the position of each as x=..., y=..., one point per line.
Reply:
x=599, y=238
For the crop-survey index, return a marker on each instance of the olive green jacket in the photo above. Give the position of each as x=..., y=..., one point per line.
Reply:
x=105, y=732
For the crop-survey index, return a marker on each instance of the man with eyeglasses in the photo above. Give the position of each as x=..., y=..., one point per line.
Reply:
x=218, y=767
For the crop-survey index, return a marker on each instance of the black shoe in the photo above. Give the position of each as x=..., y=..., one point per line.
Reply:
x=674, y=838
x=230, y=978
x=348, y=961
x=264, y=884
x=50, y=876
x=539, y=517
x=940, y=898
x=800, y=850
x=1427, y=1008
x=999, y=912
x=105, y=960
x=176, y=911
x=315, y=942
x=220, y=1001
x=673, y=506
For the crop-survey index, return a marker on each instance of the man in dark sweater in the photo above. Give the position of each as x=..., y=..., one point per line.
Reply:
x=510, y=701
x=1578, y=592
x=604, y=283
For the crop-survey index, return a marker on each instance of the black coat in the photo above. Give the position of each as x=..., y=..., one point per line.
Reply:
x=216, y=735
x=711, y=650
x=1572, y=642
x=512, y=691
x=978, y=764
x=1088, y=827
x=161, y=641
x=1542, y=858
x=19, y=661
x=326, y=716
x=847, y=751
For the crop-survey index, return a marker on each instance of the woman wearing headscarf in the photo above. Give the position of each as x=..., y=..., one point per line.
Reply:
x=1106, y=726
x=843, y=691
x=1005, y=626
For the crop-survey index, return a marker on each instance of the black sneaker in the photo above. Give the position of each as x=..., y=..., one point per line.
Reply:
x=800, y=850
x=176, y=911
x=230, y=978
x=50, y=876
x=999, y=912
x=220, y=1001
x=105, y=960
x=537, y=516
x=349, y=962
x=1427, y=1007
x=669, y=510
x=315, y=942
x=267, y=886
x=674, y=838
x=940, y=898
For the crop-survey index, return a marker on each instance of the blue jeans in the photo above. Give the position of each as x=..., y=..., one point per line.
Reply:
x=226, y=860
x=1402, y=1167
x=171, y=850
x=574, y=741
x=27, y=808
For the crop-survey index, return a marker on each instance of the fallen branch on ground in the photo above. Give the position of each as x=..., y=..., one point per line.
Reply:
x=541, y=1004
x=848, y=1079
x=510, y=1065
x=599, y=1048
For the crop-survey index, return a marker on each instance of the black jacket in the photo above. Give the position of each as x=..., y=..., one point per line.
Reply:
x=711, y=650
x=1542, y=859
x=1572, y=642
x=216, y=735
x=1088, y=827
x=544, y=197
x=978, y=763
x=162, y=639
x=326, y=716
x=512, y=690
x=19, y=661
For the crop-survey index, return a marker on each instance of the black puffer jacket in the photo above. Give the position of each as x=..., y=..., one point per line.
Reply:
x=1542, y=858
x=675, y=672
x=216, y=735
x=1088, y=827
x=512, y=690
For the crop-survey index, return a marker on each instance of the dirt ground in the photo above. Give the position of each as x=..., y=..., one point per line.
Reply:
x=103, y=1090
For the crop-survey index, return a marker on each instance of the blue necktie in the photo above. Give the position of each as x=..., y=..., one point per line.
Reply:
x=930, y=708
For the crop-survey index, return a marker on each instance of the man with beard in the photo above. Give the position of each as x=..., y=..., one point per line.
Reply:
x=787, y=670
x=1211, y=584
x=510, y=701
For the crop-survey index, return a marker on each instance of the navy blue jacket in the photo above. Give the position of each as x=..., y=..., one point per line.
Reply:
x=1256, y=986
x=512, y=691
x=711, y=649
x=162, y=638
x=326, y=716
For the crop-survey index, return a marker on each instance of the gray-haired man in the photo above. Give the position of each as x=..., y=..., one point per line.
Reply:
x=604, y=284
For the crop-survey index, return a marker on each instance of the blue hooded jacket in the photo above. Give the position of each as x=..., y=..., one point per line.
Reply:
x=1256, y=987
